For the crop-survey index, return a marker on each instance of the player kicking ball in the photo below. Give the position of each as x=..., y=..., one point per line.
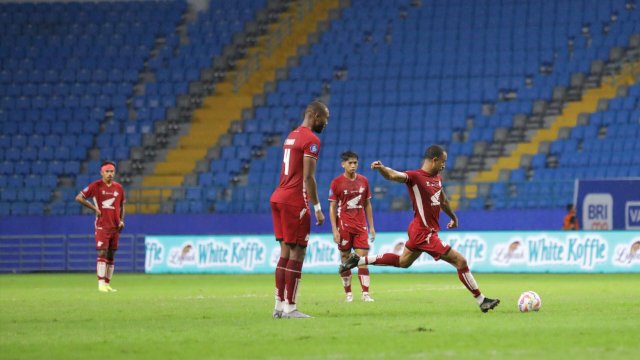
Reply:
x=350, y=201
x=427, y=197
x=108, y=197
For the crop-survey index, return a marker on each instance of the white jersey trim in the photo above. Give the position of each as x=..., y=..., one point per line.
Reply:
x=416, y=194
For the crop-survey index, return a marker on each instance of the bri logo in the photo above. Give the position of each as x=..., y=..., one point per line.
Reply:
x=597, y=212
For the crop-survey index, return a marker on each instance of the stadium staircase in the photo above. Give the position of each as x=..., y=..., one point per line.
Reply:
x=219, y=110
x=567, y=119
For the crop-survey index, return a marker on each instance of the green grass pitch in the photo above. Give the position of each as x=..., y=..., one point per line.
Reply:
x=415, y=316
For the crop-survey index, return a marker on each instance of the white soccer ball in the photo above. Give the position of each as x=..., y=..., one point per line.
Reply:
x=529, y=301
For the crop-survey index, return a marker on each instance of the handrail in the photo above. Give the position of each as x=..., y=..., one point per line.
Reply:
x=273, y=42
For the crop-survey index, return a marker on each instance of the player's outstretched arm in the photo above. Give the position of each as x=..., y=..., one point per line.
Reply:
x=388, y=173
x=446, y=207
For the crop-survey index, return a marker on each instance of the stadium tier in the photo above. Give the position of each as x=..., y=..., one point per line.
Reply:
x=85, y=82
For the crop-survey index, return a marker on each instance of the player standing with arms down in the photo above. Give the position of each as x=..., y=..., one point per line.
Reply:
x=428, y=197
x=108, y=206
x=290, y=206
x=350, y=200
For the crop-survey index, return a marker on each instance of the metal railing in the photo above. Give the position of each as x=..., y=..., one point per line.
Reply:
x=65, y=253
x=273, y=42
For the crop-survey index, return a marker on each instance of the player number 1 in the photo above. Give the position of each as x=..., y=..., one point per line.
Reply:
x=287, y=154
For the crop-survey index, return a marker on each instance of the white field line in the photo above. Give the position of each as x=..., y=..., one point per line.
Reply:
x=426, y=288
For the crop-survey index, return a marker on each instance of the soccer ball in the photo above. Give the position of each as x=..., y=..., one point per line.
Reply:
x=529, y=301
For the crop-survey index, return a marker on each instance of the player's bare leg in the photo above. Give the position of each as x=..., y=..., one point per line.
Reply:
x=346, y=277
x=456, y=259
x=363, y=276
x=101, y=270
x=292, y=281
x=280, y=279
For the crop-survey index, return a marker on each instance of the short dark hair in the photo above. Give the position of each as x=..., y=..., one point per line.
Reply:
x=569, y=207
x=348, y=155
x=434, y=151
x=107, y=162
x=317, y=107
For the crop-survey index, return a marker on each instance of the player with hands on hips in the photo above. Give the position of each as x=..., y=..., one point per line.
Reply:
x=349, y=211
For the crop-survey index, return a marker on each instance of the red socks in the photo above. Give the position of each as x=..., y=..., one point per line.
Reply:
x=363, y=275
x=292, y=279
x=346, y=280
x=280, y=278
x=469, y=282
x=109, y=272
x=387, y=259
x=101, y=270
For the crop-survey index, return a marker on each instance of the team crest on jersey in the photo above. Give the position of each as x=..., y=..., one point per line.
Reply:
x=313, y=148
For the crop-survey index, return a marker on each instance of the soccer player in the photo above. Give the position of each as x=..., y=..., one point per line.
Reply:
x=108, y=205
x=428, y=197
x=290, y=206
x=350, y=200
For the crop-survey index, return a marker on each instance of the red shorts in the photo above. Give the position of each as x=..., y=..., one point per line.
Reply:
x=291, y=223
x=427, y=241
x=350, y=240
x=105, y=240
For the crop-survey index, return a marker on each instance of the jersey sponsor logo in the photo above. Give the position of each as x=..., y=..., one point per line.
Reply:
x=289, y=142
x=435, y=199
x=100, y=243
x=353, y=203
x=108, y=204
x=313, y=148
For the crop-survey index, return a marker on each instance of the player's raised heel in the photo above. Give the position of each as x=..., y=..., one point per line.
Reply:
x=295, y=314
x=488, y=304
x=350, y=263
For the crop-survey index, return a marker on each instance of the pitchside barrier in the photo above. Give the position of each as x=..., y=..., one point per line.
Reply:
x=505, y=251
x=65, y=252
x=608, y=204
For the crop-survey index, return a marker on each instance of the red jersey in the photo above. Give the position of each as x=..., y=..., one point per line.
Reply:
x=425, y=191
x=301, y=142
x=351, y=196
x=109, y=199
